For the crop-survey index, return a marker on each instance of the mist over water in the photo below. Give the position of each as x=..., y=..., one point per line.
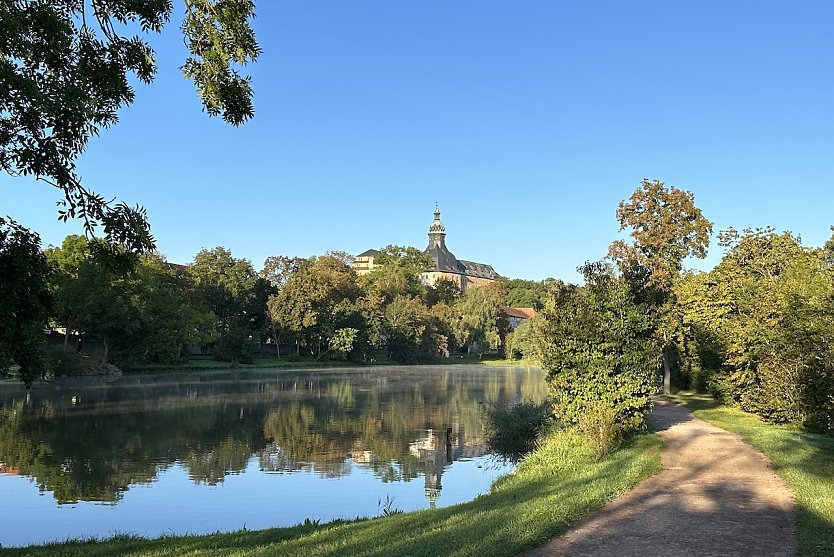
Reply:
x=219, y=451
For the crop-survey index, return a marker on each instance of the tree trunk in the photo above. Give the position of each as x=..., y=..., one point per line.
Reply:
x=66, y=335
x=277, y=344
x=667, y=373
x=106, y=351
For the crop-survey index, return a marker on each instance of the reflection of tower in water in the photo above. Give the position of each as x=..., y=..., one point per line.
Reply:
x=436, y=450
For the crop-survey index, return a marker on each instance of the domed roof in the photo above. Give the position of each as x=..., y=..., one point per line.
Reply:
x=436, y=226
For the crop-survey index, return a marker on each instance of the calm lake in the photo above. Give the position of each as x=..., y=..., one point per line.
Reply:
x=220, y=451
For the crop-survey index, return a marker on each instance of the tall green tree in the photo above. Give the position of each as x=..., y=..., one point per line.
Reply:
x=66, y=67
x=168, y=320
x=413, y=332
x=68, y=291
x=94, y=291
x=666, y=228
x=24, y=300
x=318, y=300
x=443, y=291
x=227, y=286
x=481, y=324
x=397, y=272
x=523, y=293
x=277, y=271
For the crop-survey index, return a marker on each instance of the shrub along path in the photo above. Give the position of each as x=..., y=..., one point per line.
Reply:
x=716, y=496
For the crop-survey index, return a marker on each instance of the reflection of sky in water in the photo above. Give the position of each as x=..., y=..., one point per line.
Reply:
x=175, y=504
x=199, y=453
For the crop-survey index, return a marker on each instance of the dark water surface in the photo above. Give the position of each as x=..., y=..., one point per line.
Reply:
x=217, y=451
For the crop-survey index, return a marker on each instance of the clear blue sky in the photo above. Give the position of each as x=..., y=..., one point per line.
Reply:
x=526, y=121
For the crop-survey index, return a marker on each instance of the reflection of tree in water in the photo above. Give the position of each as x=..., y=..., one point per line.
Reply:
x=380, y=428
x=91, y=456
x=91, y=443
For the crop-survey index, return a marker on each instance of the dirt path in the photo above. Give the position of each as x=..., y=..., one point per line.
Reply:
x=715, y=496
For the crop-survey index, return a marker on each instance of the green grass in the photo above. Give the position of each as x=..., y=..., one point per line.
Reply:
x=552, y=488
x=805, y=460
x=509, y=362
x=202, y=362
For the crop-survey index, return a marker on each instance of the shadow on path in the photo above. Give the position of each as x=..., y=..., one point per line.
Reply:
x=715, y=496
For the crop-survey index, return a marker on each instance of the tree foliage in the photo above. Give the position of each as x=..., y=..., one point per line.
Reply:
x=414, y=333
x=597, y=344
x=522, y=293
x=136, y=310
x=66, y=67
x=481, y=323
x=666, y=227
x=397, y=272
x=319, y=299
x=758, y=328
x=24, y=300
x=226, y=286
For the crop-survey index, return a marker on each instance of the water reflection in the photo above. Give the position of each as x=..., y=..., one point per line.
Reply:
x=91, y=440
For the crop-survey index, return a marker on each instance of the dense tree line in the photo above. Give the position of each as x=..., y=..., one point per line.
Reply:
x=116, y=306
x=756, y=331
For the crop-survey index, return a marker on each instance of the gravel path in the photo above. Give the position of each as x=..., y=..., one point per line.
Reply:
x=715, y=496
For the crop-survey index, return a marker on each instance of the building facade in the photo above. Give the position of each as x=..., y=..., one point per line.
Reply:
x=446, y=266
x=364, y=262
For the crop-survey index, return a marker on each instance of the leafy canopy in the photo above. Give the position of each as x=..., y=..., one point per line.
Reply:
x=24, y=300
x=666, y=227
x=65, y=67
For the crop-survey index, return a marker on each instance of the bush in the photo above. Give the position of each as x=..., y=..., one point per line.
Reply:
x=514, y=431
x=598, y=346
x=66, y=362
x=600, y=426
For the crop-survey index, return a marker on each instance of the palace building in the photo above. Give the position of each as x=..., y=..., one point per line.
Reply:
x=446, y=265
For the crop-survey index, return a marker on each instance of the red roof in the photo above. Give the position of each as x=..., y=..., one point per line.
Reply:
x=521, y=313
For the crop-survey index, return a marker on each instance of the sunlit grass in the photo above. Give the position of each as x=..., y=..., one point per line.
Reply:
x=510, y=362
x=805, y=460
x=553, y=487
x=202, y=362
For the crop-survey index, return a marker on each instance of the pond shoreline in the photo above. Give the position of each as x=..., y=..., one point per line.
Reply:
x=147, y=453
x=521, y=511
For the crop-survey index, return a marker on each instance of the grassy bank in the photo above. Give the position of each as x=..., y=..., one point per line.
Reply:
x=805, y=460
x=553, y=487
x=208, y=363
x=512, y=363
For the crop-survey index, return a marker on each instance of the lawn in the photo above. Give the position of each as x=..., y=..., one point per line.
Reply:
x=202, y=362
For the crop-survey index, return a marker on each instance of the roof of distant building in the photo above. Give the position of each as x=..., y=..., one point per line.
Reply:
x=521, y=313
x=445, y=260
x=480, y=270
